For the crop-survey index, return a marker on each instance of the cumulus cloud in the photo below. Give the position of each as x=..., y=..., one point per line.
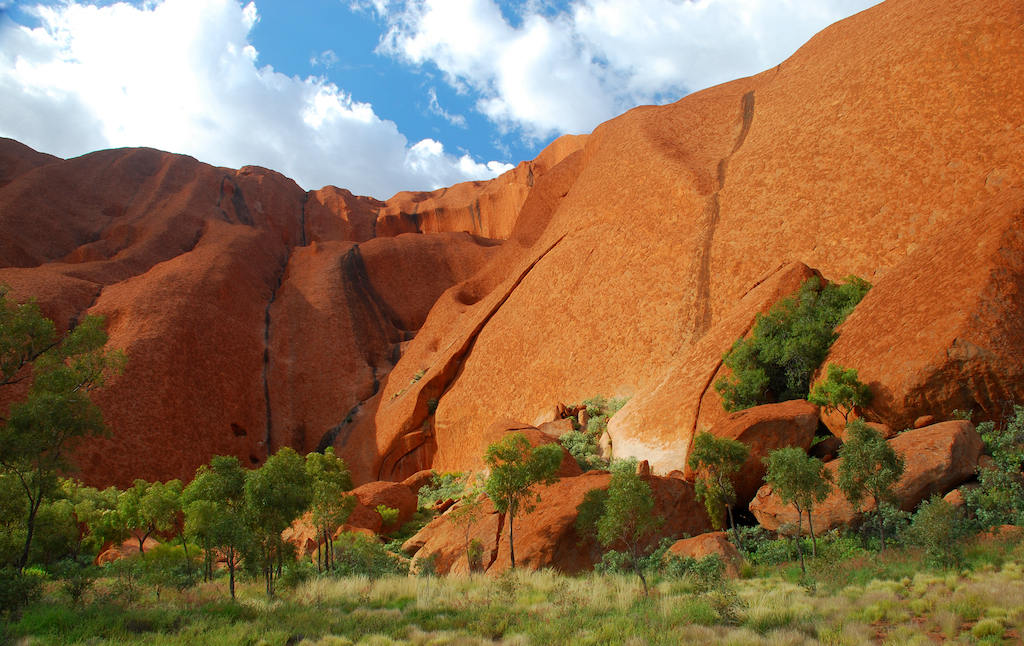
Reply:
x=567, y=71
x=181, y=75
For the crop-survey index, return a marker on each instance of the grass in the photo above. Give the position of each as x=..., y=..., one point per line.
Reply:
x=899, y=601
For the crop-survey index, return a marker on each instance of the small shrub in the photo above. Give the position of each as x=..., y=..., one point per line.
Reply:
x=940, y=528
x=988, y=629
x=358, y=554
x=18, y=589
x=388, y=515
x=442, y=486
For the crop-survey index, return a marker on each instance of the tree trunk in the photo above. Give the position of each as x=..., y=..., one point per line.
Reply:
x=231, y=571
x=881, y=525
x=511, y=544
x=814, y=541
x=799, y=547
x=640, y=573
x=33, y=508
x=735, y=532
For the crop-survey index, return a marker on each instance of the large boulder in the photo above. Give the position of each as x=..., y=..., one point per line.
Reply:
x=764, y=429
x=938, y=459
x=705, y=545
x=390, y=494
x=943, y=330
x=547, y=538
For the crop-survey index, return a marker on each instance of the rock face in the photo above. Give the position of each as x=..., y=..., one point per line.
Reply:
x=764, y=429
x=938, y=459
x=707, y=544
x=547, y=537
x=943, y=330
x=890, y=146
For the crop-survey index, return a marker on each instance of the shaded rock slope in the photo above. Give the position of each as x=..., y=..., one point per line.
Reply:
x=890, y=146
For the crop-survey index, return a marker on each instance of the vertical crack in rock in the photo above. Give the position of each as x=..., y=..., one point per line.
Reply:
x=711, y=216
x=439, y=383
x=266, y=352
x=497, y=542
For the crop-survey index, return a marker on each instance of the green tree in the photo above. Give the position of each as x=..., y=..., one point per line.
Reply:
x=841, y=391
x=787, y=344
x=516, y=468
x=215, y=506
x=149, y=507
x=629, y=519
x=275, y=495
x=940, y=529
x=466, y=513
x=870, y=467
x=41, y=432
x=802, y=481
x=714, y=460
x=329, y=479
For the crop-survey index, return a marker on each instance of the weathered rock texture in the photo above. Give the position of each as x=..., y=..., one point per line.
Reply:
x=764, y=429
x=705, y=545
x=547, y=538
x=938, y=459
x=888, y=147
x=944, y=329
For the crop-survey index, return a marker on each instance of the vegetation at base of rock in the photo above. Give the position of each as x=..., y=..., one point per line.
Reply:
x=622, y=519
x=441, y=487
x=584, y=443
x=40, y=432
x=870, y=468
x=999, y=497
x=841, y=391
x=799, y=480
x=940, y=528
x=787, y=344
x=847, y=596
x=516, y=468
x=714, y=460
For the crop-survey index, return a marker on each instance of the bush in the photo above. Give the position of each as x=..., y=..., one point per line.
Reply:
x=359, y=554
x=939, y=528
x=787, y=344
x=442, y=486
x=18, y=589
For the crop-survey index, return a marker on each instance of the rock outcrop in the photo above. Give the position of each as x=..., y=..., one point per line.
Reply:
x=547, y=537
x=938, y=459
x=704, y=545
x=764, y=429
x=943, y=330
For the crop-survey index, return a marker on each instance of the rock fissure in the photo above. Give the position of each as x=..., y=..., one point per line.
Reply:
x=266, y=355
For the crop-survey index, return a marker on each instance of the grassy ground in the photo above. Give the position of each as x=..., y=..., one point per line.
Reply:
x=865, y=599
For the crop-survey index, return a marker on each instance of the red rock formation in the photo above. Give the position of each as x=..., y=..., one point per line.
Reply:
x=707, y=544
x=938, y=459
x=17, y=159
x=547, y=537
x=764, y=429
x=394, y=495
x=634, y=251
x=943, y=330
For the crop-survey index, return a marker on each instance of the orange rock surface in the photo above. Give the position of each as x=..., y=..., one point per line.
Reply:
x=889, y=147
x=764, y=429
x=943, y=330
x=547, y=537
x=938, y=459
x=705, y=545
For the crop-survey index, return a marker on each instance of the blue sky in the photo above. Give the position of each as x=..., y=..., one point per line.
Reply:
x=371, y=95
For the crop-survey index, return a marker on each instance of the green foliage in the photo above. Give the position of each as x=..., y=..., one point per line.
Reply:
x=999, y=500
x=516, y=468
x=584, y=443
x=583, y=446
x=358, y=554
x=1005, y=442
x=215, y=513
x=940, y=529
x=329, y=479
x=388, y=515
x=148, y=507
x=714, y=460
x=870, y=467
x=799, y=480
x=841, y=391
x=787, y=344
x=275, y=495
x=18, y=589
x=441, y=487
x=41, y=432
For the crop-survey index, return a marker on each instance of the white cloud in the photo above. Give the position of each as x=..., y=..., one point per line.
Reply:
x=327, y=59
x=568, y=72
x=435, y=108
x=181, y=75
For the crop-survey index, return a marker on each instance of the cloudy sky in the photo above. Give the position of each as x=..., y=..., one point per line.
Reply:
x=372, y=95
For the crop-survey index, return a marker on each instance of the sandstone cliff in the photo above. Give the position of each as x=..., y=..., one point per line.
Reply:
x=258, y=315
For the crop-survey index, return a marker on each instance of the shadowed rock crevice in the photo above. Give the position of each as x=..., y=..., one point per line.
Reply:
x=710, y=217
x=266, y=353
